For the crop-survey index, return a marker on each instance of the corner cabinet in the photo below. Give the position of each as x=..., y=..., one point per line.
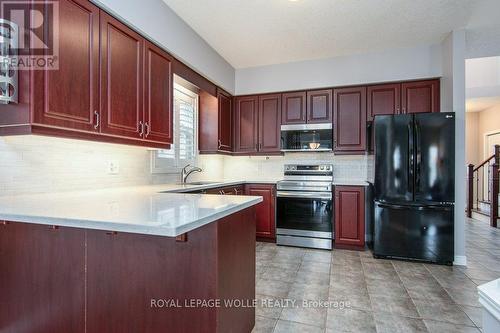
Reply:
x=349, y=109
x=257, y=124
x=215, y=133
x=112, y=85
x=225, y=137
x=266, y=210
x=350, y=217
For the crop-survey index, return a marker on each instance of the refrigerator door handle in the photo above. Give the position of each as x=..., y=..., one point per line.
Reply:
x=419, y=156
x=423, y=207
x=411, y=157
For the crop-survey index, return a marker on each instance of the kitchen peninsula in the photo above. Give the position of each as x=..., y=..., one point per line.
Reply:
x=112, y=260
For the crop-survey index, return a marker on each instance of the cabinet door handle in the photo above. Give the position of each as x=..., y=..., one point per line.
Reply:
x=97, y=119
x=140, y=128
x=220, y=144
x=260, y=146
x=148, y=129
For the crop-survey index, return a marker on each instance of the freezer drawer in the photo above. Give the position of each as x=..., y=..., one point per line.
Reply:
x=414, y=232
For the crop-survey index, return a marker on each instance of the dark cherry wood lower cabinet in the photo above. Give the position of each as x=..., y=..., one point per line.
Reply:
x=350, y=217
x=266, y=210
x=76, y=280
x=42, y=279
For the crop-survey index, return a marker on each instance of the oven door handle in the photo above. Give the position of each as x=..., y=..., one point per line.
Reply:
x=308, y=195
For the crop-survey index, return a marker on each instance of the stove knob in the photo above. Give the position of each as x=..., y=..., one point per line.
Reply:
x=294, y=168
x=322, y=168
x=327, y=167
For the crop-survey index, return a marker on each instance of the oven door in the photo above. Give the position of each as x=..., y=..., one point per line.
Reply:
x=305, y=214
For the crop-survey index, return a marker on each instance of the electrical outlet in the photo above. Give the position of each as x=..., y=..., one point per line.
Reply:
x=113, y=167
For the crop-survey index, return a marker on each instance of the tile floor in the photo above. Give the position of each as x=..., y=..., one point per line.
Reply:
x=384, y=295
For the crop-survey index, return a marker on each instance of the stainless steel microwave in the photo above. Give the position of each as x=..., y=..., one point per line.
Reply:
x=306, y=137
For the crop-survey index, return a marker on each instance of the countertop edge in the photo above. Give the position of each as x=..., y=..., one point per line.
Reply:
x=128, y=228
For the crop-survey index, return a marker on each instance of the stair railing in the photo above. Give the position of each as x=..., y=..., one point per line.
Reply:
x=483, y=185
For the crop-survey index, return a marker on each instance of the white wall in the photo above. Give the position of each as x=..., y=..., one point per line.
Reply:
x=158, y=22
x=453, y=99
x=390, y=65
x=483, y=77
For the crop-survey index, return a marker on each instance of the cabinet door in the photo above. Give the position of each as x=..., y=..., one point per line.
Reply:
x=269, y=123
x=69, y=97
x=349, y=216
x=158, y=90
x=246, y=124
x=225, y=139
x=319, y=106
x=121, y=79
x=349, y=119
x=42, y=288
x=420, y=96
x=266, y=210
x=383, y=99
x=294, y=108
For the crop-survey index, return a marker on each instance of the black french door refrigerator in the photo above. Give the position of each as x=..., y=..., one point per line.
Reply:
x=414, y=187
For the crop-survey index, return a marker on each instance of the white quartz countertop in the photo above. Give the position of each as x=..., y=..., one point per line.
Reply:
x=489, y=297
x=350, y=182
x=144, y=210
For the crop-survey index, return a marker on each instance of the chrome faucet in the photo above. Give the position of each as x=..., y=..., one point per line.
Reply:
x=185, y=174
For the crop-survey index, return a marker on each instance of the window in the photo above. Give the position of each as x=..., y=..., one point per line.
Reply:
x=184, y=150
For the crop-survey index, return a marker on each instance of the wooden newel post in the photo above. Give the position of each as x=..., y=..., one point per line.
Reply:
x=470, y=189
x=494, y=179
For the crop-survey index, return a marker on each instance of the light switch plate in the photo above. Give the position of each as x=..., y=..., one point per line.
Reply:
x=113, y=167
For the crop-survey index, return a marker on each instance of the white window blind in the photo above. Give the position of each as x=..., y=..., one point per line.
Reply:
x=184, y=150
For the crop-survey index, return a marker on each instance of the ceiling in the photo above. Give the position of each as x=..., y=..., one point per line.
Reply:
x=250, y=33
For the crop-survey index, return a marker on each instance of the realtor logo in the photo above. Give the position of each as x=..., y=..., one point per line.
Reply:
x=37, y=44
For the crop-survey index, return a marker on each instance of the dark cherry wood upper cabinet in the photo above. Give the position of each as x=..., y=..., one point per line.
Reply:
x=208, y=122
x=349, y=216
x=69, y=97
x=383, y=99
x=121, y=79
x=246, y=124
x=319, y=106
x=269, y=123
x=266, y=212
x=420, y=96
x=225, y=137
x=294, y=108
x=158, y=108
x=349, y=120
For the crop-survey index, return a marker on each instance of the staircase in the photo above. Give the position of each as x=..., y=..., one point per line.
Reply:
x=483, y=189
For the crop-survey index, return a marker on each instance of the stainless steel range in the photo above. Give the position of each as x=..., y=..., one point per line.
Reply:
x=305, y=208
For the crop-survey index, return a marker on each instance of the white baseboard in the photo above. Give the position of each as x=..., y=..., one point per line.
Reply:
x=460, y=261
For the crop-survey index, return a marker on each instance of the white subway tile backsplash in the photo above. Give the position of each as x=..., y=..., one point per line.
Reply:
x=36, y=164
